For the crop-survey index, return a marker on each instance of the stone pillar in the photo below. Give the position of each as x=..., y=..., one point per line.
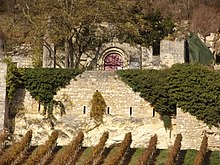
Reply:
x=3, y=72
x=172, y=52
x=147, y=57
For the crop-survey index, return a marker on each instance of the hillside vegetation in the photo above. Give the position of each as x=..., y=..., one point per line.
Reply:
x=76, y=31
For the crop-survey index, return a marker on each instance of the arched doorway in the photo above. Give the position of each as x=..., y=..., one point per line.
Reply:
x=113, y=61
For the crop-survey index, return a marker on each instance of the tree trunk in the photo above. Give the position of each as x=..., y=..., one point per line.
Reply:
x=66, y=55
x=69, y=55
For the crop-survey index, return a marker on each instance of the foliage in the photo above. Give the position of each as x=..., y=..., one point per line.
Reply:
x=77, y=31
x=3, y=137
x=98, y=107
x=63, y=23
x=167, y=121
x=194, y=88
x=118, y=156
x=97, y=152
x=151, y=85
x=145, y=28
x=41, y=152
x=13, y=79
x=43, y=83
x=15, y=149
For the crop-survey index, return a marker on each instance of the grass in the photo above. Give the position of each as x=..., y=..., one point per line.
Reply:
x=162, y=157
x=84, y=156
x=109, y=155
x=136, y=156
x=215, y=158
x=189, y=157
x=186, y=156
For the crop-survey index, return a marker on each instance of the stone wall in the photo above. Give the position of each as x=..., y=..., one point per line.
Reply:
x=172, y=52
x=126, y=112
x=22, y=62
x=119, y=97
x=193, y=131
x=3, y=71
x=76, y=97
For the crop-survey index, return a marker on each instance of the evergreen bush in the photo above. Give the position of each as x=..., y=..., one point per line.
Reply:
x=98, y=107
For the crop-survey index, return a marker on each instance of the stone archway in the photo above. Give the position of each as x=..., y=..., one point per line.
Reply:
x=112, y=58
x=113, y=61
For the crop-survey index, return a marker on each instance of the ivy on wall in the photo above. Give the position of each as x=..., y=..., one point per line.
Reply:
x=14, y=78
x=194, y=88
x=42, y=83
x=152, y=87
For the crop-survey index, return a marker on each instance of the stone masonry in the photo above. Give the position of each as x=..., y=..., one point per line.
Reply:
x=172, y=52
x=76, y=97
x=119, y=97
x=126, y=112
x=193, y=131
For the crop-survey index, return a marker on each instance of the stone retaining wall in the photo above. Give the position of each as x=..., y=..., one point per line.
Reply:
x=193, y=131
x=128, y=112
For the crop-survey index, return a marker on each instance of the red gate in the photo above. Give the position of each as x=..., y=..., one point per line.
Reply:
x=113, y=61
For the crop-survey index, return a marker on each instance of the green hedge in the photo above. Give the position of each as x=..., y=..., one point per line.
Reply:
x=194, y=88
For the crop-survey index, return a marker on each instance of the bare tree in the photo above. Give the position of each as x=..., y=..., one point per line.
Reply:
x=205, y=19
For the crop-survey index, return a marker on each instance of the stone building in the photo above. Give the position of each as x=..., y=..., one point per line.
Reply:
x=114, y=55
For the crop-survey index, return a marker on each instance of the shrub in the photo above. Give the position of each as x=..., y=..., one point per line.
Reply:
x=98, y=107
